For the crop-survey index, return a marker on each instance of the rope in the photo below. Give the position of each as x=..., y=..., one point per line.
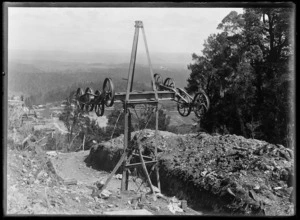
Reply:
x=143, y=182
x=137, y=117
x=145, y=125
x=116, y=125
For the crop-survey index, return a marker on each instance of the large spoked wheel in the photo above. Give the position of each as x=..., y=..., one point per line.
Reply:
x=183, y=103
x=169, y=82
x=200, y=104
x=78, y=95
x=99, y=109
x=88, y=98
x=109, y=92
x=158, y=81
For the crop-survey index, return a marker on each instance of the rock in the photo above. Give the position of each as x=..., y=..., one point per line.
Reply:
x=253, y=195
x=70, y=182
x=129, y=212
x=153, y=208
x=99, y=184
x=40, y=175
x=51, y=153
x=263, y=187
x=110, y=205
x=270, y=195
x=184, y=205
x=30, y=181
x=118, y=176
x=105, y=194
x=256, y=187
x=140, y=205
x=143, y=198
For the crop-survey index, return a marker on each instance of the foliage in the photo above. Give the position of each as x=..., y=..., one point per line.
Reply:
x=74, y=121
x=140, y=119
x=245, y=71
x=148, y=119
x=15, y=113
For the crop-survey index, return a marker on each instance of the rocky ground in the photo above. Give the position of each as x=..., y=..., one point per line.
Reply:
x=219, y=174
x=43, y=183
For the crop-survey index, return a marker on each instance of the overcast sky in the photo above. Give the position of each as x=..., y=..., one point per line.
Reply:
x=175, y=30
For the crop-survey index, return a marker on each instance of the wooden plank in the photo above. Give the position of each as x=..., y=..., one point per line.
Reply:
x=146, y=172
x=156, y=144
x=143, y=156
x=145, y=96
x=139, y=164
x=70, y=182
x=114, y=171
x=149, y=63
x=132, y=62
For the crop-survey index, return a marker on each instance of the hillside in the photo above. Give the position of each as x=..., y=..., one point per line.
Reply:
x=215, y=174
x=40, y=77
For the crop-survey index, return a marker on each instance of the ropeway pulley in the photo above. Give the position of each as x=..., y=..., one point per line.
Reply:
x=90, y=100
x=163, y=90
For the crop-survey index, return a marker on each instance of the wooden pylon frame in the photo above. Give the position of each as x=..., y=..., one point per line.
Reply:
x=134, y=145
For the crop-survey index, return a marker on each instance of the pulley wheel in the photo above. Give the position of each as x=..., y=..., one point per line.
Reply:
x=88, y=99
x=109, y=92
x=158, y=81
x=183, y=106
x=200, y=104
x=169, y=82
x=95, y=100
x=79, y=94
x=99, y=109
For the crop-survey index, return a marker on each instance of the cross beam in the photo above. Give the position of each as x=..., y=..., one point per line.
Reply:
x=144, y=97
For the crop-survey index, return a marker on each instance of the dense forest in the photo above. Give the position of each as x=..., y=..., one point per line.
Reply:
x=247, y=72
x=49, y=81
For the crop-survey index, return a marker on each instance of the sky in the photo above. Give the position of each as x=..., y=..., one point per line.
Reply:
x=168, y=30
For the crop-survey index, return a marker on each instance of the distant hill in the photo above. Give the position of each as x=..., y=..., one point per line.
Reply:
x=39, y=76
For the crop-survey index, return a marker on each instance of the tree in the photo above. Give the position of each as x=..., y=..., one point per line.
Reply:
x=141, y=119
x=74, y=121
x=244, y=70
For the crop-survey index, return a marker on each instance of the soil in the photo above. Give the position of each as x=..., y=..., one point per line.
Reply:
x=216, y=174
x=55, y=183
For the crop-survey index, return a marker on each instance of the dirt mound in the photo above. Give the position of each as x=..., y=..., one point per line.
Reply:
x=104, y=156
x=224, y=174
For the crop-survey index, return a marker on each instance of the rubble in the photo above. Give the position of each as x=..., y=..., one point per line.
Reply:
x=220, y=173
x=129, y=212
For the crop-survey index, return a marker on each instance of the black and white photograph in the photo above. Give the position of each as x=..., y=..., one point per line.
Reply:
x=149, y=109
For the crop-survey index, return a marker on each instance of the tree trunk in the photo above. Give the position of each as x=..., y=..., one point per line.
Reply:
x=241, y=121
x=83, y=142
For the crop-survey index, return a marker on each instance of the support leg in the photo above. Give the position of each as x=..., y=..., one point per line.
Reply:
x=127, y=137
x=157, y=177
x=146, y=172
x=124, y=178
x=114, y=171
x=156, y=143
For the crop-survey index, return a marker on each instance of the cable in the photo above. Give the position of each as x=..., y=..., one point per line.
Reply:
x=116, y=124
